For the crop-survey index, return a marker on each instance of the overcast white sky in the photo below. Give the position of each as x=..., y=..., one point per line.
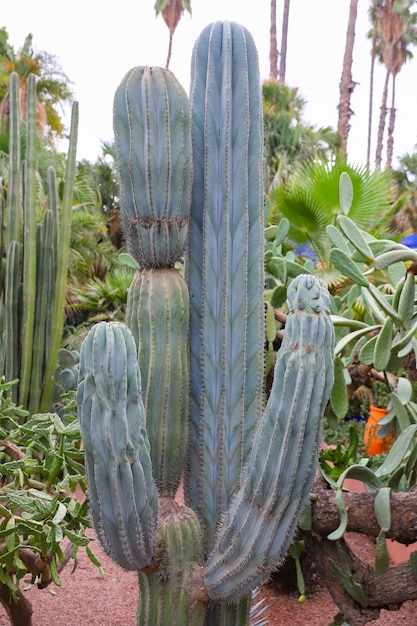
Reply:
x=98, y=42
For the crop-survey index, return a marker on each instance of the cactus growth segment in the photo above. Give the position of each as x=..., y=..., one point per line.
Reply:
x=157, y=313
x=153, y=146
x=198, y=352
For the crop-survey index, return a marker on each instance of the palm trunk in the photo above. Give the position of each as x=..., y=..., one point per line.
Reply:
x=391, y=126
x=284, y=37
x=171, y=35
x=381, y=126
x=347, y=84
x=371, y=99
x=273, y=44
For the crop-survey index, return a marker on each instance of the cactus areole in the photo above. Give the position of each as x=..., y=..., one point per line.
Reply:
x=177, y=391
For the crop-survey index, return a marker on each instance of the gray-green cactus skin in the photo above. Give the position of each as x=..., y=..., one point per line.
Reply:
x=154, y=159
x=157, y=313
x=260, y=523
x=247, y=469
x=123, y=497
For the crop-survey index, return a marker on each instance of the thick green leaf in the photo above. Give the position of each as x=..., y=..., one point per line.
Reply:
x=345, y=192
x=353, y=336
x=394, y=256
x=355, y=236
x=339, y=395
x=397, y=452
x=344, y=264
x=382, y=561
x=382, y=507
x=382, y=350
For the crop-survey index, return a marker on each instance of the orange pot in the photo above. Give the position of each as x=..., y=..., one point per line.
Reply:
x=375, y=445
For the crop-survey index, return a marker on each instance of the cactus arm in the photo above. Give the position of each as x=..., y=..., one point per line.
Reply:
x=225, y=246
x=29, y=246
x=112, y=417
x=13, y=213
x=153, y=149
x=259, y=525
x=62, y=260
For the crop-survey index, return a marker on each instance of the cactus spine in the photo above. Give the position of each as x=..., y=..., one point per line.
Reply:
x=248, y=473
x=33, y=323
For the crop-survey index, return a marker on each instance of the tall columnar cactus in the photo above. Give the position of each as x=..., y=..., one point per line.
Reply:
x=247, y=472
x=36, y=261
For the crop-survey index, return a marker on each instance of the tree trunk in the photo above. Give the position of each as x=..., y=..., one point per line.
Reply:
x=20, y=612
x=171, y=36
x=273, y=44
x=371, y=97
x=347, y=84
x=345, y=574
x=284, y=38
x=381, y=125
x=391, y=125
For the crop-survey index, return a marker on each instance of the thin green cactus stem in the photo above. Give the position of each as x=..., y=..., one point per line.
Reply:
x=62, y=259
x=29, y=246
x=45, y=264
x=13, y=220
x=11, y=320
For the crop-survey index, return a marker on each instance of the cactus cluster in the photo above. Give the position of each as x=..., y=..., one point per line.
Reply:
x=196, y=347
x=35, y=261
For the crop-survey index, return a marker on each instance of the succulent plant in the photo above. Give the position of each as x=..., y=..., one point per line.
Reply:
x=32, y=310
x=196, y=346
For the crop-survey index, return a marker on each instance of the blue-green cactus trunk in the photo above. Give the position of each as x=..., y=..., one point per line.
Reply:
x=224, y=274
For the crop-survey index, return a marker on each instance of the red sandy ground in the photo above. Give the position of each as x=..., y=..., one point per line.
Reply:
x=86, y=599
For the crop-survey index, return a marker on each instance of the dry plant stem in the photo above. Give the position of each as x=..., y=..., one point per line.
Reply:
x=19, y=612
x=394, y=587
x=361, y=515
x=384, y=591
x=12, y=450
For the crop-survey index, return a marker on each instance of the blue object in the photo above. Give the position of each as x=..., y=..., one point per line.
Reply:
x=410, y=241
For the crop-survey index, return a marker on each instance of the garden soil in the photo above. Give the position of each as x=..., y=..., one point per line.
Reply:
x=88, y=599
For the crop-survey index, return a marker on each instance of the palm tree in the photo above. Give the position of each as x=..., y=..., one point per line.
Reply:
x=394, y=30
x=288, y=140
x=52, y=89
x=171, y=11
x=347, y=84
x=310, y=201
